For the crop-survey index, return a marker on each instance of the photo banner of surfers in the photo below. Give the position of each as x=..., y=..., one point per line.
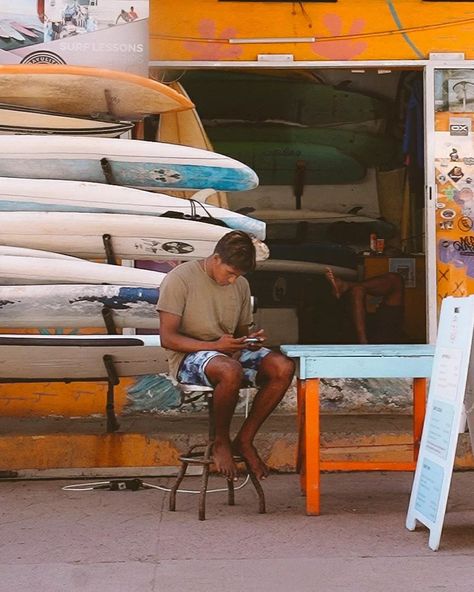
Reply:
x=65, y=18
x=29, y=22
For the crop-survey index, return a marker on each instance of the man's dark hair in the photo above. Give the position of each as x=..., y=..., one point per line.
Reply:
x=237, y=249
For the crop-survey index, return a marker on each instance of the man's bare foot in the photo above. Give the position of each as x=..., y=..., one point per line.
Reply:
x=249, y=453
x=338, y=286
x=223, y=460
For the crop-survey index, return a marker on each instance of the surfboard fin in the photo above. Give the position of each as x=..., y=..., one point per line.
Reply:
x=203, y=195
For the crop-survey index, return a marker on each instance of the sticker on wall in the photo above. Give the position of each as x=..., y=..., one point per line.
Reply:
x=454, y=155
x=448, y=214
x=459, y=126
x=464, y=198
x=461, y=95
x=465, y=224
x=456, y=174
x=446, y=225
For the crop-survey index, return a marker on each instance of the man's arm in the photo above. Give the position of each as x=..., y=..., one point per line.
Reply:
x=172, y=339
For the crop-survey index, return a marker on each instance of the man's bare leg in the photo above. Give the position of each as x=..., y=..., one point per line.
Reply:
x=338, y=286
x=226, y=376
x=275, y=375
x=388, y=286
x=357, y=295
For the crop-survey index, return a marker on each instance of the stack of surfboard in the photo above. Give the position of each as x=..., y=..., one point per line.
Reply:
x=76, y=217
x=67, y=199
x=303, y=138
x=336, y=132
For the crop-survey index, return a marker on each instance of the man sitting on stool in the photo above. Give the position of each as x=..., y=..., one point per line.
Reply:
x=205, y=318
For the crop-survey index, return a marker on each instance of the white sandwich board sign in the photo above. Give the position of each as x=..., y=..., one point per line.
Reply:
x=444, y=410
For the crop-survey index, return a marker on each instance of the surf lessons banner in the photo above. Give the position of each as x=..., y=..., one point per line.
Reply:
x=99, y=33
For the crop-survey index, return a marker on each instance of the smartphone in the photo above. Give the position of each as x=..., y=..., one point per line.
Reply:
x=253, y=340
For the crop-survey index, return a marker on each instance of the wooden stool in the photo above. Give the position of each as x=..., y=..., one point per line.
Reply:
x=201, y=454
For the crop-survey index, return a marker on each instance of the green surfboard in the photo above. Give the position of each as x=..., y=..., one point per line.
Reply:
x=269, y=139
x=275, y=162
x=253, y=97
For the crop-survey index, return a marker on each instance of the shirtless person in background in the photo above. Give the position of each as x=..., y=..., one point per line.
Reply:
x=386, y=324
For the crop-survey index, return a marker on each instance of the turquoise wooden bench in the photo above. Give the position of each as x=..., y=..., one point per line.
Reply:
x=352, y=361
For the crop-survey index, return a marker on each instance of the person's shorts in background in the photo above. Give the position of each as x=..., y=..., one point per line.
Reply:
x=385, y=325
x=193, y=367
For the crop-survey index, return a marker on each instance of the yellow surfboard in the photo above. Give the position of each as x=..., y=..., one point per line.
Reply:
x=187, y=129
x=94, y=92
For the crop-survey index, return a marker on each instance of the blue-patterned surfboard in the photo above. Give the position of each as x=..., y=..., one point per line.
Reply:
x=134, y=163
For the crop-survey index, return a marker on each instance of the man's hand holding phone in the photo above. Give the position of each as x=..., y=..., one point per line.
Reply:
x=255, y=340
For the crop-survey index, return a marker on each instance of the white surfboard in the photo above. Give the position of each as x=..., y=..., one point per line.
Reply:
x=287, y=265
x=22, y=252
x=21, y=120
x=78, y=305
x=78, y=196
x=134, y=163
x=132, y=237
x=292, y=216
x=17, y=270
x=78, y=357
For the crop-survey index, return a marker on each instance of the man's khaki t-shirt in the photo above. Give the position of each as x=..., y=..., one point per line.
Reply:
x=207, y=310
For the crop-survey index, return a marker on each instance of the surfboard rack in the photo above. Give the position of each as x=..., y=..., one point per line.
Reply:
x=108, y=316
x=109, y=250
x=113, y=380
x=300, y=173
x=107, y=170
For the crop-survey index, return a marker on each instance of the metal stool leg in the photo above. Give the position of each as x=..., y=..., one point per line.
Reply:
x=230, y=493
x=204, y=481
x=258, y=489
x=177, y=483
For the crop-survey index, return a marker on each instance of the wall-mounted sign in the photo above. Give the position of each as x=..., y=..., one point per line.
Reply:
x=100, y=33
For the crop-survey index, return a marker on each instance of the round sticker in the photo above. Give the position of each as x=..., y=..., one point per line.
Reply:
x=440, y=205
x=465, y=224
x=448, y=214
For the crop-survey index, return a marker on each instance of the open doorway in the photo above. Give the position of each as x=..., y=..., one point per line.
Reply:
x=339, y=153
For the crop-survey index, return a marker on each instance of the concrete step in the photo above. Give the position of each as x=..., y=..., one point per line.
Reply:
x=37, y=446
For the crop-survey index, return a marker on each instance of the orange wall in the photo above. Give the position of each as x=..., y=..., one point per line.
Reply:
x=346, y=30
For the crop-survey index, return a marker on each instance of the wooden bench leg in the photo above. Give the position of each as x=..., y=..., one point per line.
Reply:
x=312, y=446
x=419, y=410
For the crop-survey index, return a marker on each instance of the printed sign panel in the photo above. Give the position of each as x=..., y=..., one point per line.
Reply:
x=432, y=480
x=100, y=33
